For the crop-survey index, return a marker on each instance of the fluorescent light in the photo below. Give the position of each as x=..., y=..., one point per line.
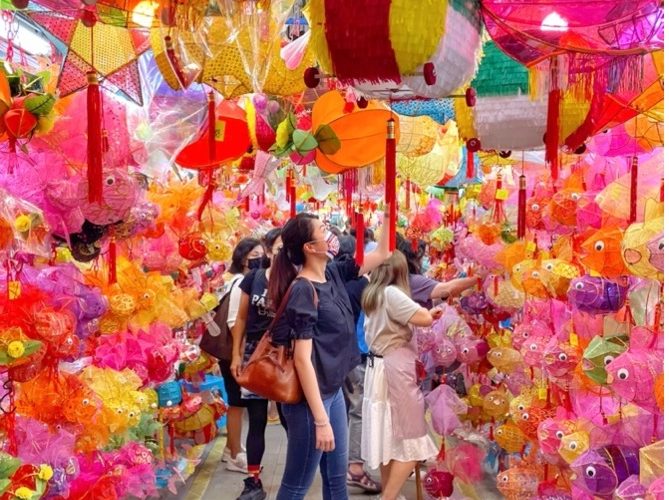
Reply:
x=554, y=22
x=28, y=41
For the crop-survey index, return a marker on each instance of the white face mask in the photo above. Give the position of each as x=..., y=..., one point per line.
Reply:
x=333, y=244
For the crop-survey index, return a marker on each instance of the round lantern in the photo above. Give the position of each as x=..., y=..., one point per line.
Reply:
x=19, y=122
x=456, y=58
x=438, y=483
x=193, y=247
x=361, y=132
x=419, y=135
x=423, y=171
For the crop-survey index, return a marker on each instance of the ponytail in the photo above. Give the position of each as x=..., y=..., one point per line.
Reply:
x=282, y=274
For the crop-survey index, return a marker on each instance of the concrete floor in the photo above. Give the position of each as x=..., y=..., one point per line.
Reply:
x=212, y=482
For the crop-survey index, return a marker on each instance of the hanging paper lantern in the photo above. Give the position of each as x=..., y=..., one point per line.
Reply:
x=361, y=132
x=119, y=195
x=505, y=117
x=232, y=140
x=456, y=58
x=419, y=135
x=193, y=247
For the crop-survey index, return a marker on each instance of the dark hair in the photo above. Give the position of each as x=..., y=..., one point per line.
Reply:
x=346, y=247
x=296, y=232
x=241, y=251
x=270, y=237
x=413, y=256
x=335, y=230
x=369, y=235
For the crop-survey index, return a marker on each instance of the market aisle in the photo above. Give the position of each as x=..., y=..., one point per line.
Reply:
x=212, y=482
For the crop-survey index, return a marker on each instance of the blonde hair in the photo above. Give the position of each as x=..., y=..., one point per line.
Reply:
x=393, y=271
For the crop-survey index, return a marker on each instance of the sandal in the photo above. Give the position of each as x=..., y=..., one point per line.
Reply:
x=364, y=482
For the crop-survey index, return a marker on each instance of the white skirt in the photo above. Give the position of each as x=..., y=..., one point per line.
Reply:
x=379, y=445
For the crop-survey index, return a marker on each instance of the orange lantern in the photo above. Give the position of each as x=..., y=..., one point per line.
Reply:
x=361, y=131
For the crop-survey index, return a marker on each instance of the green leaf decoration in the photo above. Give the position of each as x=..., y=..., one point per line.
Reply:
x=328, y=142
x=31, y=346
x=8, y=465
x=304, y=141
x=40, y=105
x=4, y=484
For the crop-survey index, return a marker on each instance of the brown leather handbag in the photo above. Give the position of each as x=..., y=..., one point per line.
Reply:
x=270, y=372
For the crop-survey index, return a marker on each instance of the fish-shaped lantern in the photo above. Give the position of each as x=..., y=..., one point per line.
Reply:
x=596, y=295
x=637, y=244
x=601, y=471
x=602, y=252
x=601, y=351
x=631, y=375
x=519, y=482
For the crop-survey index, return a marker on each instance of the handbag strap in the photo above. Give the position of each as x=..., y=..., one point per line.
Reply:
x=284, y=301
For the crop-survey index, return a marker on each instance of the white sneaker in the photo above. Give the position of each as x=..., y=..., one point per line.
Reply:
x=237, y=464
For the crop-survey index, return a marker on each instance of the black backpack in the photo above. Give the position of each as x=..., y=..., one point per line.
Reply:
x=220, y=346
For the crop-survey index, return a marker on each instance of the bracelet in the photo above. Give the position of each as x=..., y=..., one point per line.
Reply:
x=322, y=424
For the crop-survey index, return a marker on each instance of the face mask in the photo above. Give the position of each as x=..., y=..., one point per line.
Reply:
x=425, y=264
x=332, y=242
x=254, y=263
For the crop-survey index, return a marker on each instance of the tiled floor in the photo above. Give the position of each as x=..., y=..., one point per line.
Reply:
x=212, y=482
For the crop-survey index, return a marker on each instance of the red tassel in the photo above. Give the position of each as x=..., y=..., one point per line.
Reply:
x=553, y=122
x=442, y=451
x=470, y=164
x=359, y=239
x=293, y=201
x=206, y=198
x=94, y=114
x=391, y=187
x=13, y=161
x=247, y=204
x=289, y=179
x=407, y=194
x=662, y=191
x=112, y=261
x=553, y=132
x=522, y=206
x=634, y=181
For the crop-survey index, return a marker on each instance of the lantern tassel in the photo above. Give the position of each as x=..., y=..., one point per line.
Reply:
x=293, y=200
x=553, y=122
x=206, y=198
x=12, y=161
x=522, y=206
x=94, y=114
x=634, y=181
x=391, y=186
x=407, y=194
x=112, y=260
x=359, y=239
x=470, y=164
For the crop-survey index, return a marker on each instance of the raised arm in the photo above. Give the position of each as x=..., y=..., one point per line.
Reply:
x=453, y=288
x=377, y=257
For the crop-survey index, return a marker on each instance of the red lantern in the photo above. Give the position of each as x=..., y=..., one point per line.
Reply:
x=439, y=483
x=192, y=247
x=19, y=122
x=232, y=140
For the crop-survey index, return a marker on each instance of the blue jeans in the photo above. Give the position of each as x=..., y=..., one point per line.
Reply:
x=303, y=458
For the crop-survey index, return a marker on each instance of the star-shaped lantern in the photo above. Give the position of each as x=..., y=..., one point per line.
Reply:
x=109, y=51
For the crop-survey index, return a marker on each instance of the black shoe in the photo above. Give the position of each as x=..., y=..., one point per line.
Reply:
x=252, y=490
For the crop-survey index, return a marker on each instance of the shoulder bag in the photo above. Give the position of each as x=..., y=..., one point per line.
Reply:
x=270, y=372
